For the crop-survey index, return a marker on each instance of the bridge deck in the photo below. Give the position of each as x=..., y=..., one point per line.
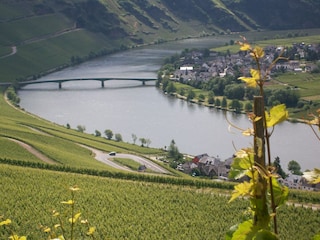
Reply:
x=60, y=81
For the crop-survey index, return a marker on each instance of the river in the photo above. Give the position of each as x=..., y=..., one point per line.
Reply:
x=128, y=107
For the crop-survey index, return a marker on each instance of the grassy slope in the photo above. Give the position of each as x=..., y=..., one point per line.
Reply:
x=57, y=142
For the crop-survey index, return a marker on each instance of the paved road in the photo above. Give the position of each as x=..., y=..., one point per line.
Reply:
x=149, y=164
x=106, y=158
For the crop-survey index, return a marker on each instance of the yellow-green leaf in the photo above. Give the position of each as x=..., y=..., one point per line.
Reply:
x=244, y=46
x=6, y=222
x=280, y=193
x=91, y=230
x=70, y=202
x=242, y=189
x=74, y=188
x=258, y=51
x=277, y=115
x=75, y=218
x=248, y=132
x=16, y=237
x=253, y=80
x=245, y=231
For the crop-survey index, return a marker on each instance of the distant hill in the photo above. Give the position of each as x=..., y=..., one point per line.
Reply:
x=66, y=32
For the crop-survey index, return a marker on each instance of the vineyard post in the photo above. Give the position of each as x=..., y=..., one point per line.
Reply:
x=259, y=160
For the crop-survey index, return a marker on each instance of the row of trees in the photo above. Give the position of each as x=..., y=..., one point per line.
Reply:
x=234, y=91
x=117, y=136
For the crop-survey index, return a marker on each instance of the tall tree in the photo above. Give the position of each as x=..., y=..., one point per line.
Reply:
x=294, y=167
x=134, y=138
x=118, y=137
x=108, y=133
x=278, y=167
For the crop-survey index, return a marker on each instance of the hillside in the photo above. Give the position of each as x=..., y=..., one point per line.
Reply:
x=41, y=36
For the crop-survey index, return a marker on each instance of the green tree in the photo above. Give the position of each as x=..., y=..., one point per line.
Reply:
x=201, y=97
x=211, y=97
x=217, y=102
x=278, y=167
x=173, y=152
x=81, y=128
x=171, y=88
x=234, y=91
x=191, y=95
x=182, y=91
x=143, y=141
x=248, y=107
x=97, y=133
x=134, y=138
x=108, y=133
x=224, y=102
x=236, y=105
x=118, y=137
x=294, y=167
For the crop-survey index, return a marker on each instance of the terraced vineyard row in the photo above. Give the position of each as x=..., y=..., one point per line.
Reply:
x=122, y=209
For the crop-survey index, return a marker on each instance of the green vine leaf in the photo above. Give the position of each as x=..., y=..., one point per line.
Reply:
x=242, y=163
x=253, y=80
x=231, y=231
x=280, y=192
x=316, y=237
x=277, y=115
x=245, y=231
x=264, y=234
x=242, y=189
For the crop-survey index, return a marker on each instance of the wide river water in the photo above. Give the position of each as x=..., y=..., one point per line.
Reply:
x=128, y=107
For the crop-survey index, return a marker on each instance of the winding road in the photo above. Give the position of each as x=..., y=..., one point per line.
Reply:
x=106, y=158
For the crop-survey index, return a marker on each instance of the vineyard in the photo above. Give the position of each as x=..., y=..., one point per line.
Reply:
x=122, y=209
x=121, y=205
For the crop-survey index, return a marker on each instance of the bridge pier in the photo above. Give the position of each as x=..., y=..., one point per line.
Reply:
x=60, y=85
x=143, y=82
x=102, y=84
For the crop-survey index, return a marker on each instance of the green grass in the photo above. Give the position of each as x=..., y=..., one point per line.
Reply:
x=46, y=55
x=133, y=165
x=4, y=50
x=8, y=11
x=307, y=84
x=12, y=150
x=256, y=40
x=16, y=32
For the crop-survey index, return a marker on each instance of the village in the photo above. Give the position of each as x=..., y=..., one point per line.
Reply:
x=215, y=168
x=197, y=67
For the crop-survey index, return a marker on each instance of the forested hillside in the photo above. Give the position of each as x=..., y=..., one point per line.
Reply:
x=68, y=32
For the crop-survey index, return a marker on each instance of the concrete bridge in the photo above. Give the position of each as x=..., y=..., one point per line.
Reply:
x=102, y=80
x=60, y=81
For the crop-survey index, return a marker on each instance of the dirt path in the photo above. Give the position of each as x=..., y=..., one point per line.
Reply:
x=14, y=50
x=34, y=151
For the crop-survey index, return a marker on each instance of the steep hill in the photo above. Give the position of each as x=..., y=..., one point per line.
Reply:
x=41, y=35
